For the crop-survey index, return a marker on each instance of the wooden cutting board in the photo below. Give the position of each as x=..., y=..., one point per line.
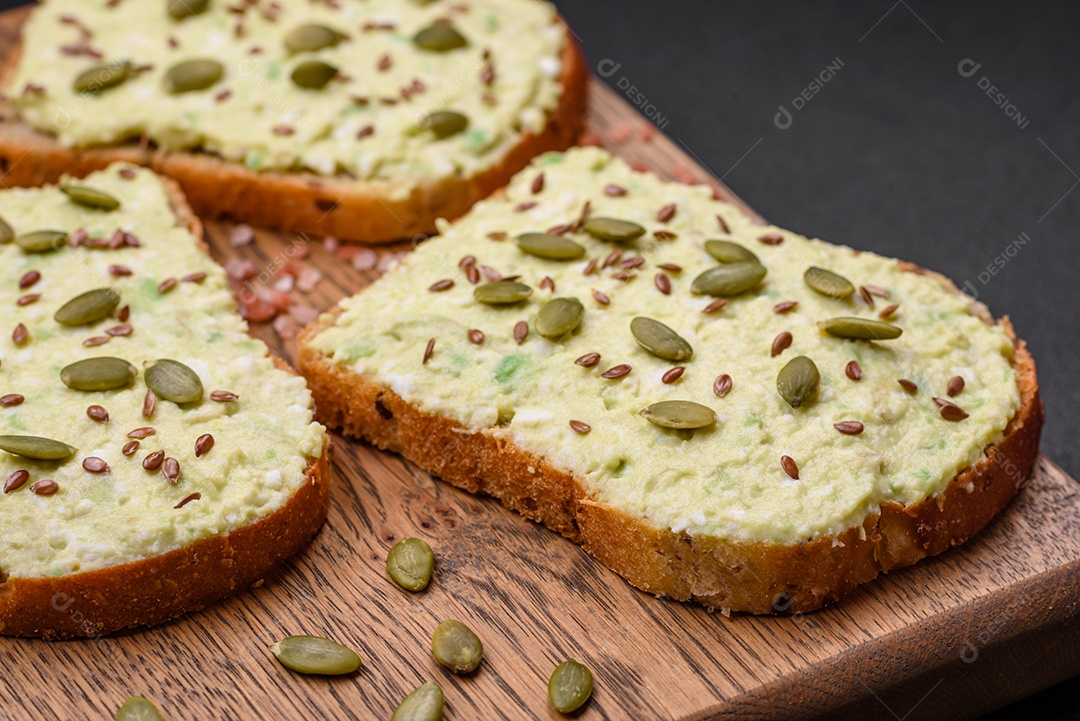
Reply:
x=955, y=636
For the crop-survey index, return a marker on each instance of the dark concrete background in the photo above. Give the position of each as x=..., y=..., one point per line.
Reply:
x=898, y=152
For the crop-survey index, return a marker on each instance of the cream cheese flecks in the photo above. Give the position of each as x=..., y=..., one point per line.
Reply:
x=726, y=480
x=363, y=123
x=263, y=442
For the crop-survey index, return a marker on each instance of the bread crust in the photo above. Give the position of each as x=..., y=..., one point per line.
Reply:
x=372, y=212
x=731, y=575
x=160, y=588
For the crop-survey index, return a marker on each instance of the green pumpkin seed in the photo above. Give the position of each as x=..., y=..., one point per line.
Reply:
x=138, y=708
x=682, y=415
x=103, y=77
x=551, y=247
x=6, y=233
x=39, y=449
x=312, y=37
x=660, y=340
x=193, y=75
x=860, y=328
x=180, y=9
x=88, y=308
x=439, y=38
x=729, y=279
x=828, y=283
x=423, y=704
x=726, y=251
x=315, y=655
x=174, y=381
x=42, y=241
x=90, y=197
x=502, y=292
x=98, y=374
x=456, y=647
x=798, y=381
x=570, y=686
x=410, y=563
x=613, y=229
x=559, y=317
x=444, y=123
x=313, y=74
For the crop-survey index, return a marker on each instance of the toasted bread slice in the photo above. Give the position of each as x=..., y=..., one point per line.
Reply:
x=714, y=515
x=351, y=204
x=75, y=563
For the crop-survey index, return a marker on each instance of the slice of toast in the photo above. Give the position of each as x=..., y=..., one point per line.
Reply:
x=771, y=508
x=148, y=519
x=350, y=203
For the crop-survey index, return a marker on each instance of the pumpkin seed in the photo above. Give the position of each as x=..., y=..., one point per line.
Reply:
x=559, y=317
x=39, y=449
x=444, y=123
x=410, y=563
x=313, y=74
x=726, y=251
x=423, y=704
x=315, y=655
x=660, y=340
x=828, y=283
x=180, y=9
x=311, y=37
x=439, y=38
x=551, y=247
x=613, y=229
x=90, y=197
x=798, y=381
x=103, y=77
x=456, y=647
x=42, y=241
x=138, y=708
x=729, y=279
x=6, y=233
x=98, y=374
x=88, y=308
x=570, y=686
x=860, y=328
x=174, y=382
x=502, y=292
x=684, y=415
x=192, y=75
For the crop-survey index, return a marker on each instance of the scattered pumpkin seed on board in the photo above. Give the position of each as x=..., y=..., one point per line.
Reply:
x=456, y=647
x=315, y=655
x=423, y=704
x=138, y=708
x=410, y=564
x=570, y=686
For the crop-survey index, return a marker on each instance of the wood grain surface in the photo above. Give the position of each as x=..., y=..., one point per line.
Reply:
x=956, y=635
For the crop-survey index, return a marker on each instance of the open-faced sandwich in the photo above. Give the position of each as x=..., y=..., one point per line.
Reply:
x=718, y=410
x=154, y=458
x=364, y=120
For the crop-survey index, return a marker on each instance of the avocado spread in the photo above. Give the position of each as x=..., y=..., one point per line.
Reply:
x=105, y=507
x=392, y=64
x=853, y=444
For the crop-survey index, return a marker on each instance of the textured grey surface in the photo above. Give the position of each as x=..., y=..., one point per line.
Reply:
x=900, y=150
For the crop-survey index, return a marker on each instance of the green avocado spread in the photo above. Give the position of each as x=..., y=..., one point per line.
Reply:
x=499, y=69
x=100, y=517
x=724, y=480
